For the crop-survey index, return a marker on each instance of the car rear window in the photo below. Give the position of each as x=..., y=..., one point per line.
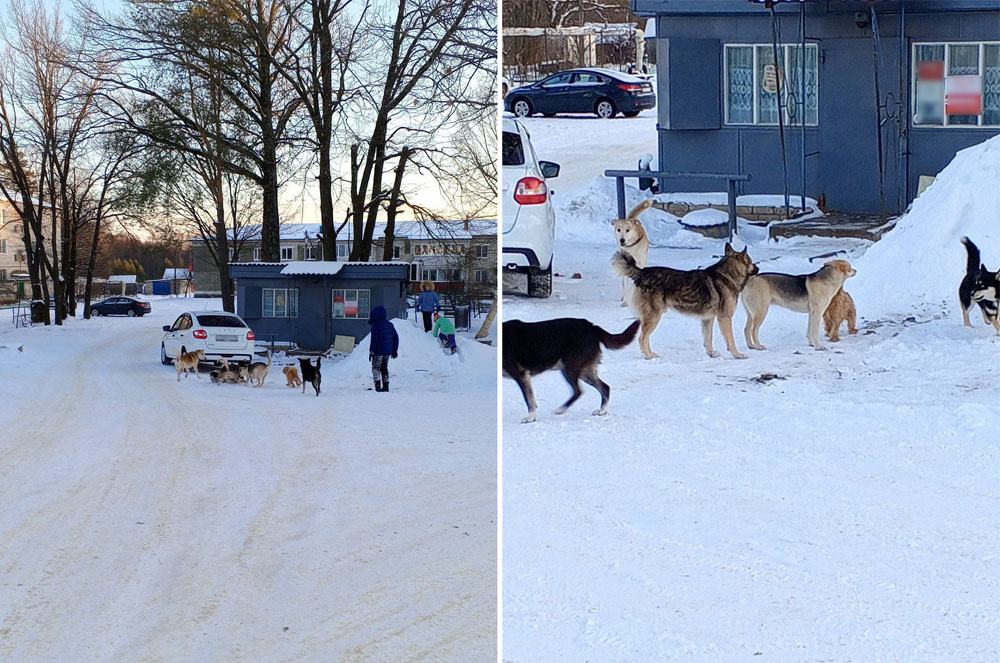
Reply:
x=513, y=151
x=216, y=320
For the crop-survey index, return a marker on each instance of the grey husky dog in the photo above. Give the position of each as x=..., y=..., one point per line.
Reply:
x=710, y=293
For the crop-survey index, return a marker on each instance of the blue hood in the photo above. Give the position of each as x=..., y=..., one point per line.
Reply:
x=378, y=314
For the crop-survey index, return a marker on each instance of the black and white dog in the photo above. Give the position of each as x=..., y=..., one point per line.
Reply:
x=981, y=286
x=571, y=345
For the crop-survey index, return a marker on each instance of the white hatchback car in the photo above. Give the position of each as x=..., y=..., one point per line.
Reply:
x=529, y=221
x=219, y=334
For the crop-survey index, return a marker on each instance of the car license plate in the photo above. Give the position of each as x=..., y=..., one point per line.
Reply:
x=225, y=338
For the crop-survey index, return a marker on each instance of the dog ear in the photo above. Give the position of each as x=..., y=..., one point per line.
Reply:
x=745, y=249
x=729, y=249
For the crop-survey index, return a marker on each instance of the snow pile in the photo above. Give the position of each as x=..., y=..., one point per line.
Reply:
x=422, y=365
x=586, y=216
x=921, y=261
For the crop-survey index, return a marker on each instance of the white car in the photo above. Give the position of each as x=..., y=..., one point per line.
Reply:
x=219, y=334
x=529, y=221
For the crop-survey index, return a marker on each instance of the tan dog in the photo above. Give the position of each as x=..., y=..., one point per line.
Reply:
x=632, y=239
x=188, y=361
x=258, y=371
x=804, y=293
x=709, y=294
x=841, y=308
x=291, y=376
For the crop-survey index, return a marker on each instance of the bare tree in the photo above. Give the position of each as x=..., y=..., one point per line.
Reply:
x=237, y=49
x=46, y=114
x=422, y=57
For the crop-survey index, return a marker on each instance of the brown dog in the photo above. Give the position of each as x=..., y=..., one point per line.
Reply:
x=841, y=308
x=189, y=362
x=291, y=376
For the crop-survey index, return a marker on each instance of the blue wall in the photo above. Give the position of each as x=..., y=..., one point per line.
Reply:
x=842, y=158
x=315, y=326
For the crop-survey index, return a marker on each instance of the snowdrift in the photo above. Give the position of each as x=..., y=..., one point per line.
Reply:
x=585, y=215
x=921, y=261
x=421, y=365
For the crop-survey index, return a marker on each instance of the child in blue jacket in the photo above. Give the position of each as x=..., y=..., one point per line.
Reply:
x=428, y=302
x=384, y=344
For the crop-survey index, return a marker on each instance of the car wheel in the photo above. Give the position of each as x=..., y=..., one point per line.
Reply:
x=540, y=282
x=521, y=107
x=631, y=114
x=164, y=359
x=131, y=313
x=605, y=108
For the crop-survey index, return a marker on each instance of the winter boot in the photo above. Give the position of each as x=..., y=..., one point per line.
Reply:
x=385, y=386
x=378, y=386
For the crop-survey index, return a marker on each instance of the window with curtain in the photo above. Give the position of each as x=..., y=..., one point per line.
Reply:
x=753, y=81
x=956, y=84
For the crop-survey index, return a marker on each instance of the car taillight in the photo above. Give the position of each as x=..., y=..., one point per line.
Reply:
x=630, y=87
x=200, y=333
x=531, y=191
x=250, y=336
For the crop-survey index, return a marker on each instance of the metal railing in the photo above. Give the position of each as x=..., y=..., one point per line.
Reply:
x=731, y=178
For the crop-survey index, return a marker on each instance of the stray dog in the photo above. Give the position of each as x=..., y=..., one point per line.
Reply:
x=228, y=374
x=841, y=308
x=188, y=361
x=981, y=286
x=570, y=344
x=632, y=239
x=804, y=293
x=291, y=376
x=709, y=294
x=310, y=373
x=258, y=371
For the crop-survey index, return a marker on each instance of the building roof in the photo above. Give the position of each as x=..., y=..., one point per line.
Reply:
x=437, y=230
x=316, y=267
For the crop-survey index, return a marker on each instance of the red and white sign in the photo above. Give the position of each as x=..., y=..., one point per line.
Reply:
x=963, y=95
x=930, y=70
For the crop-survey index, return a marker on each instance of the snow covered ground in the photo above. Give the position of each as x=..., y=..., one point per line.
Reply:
x=794, y=506
x=142, y=519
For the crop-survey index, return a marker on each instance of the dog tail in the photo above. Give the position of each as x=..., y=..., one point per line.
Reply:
x=318, y=360
x=270, y=358
x=619, y=341
x=640, y=208
x=624, y=265
x=972, y=265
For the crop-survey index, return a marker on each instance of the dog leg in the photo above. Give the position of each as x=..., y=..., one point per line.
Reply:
x=851, y=328
x=648, y=326
x=706, y=336
x=572, y=376
x=591, y=378
x=965, y=314
x=812, y=329
x=726, y=327
x=524, y=382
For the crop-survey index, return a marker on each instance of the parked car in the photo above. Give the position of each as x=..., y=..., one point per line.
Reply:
x=600, y=91
x=220, y=334
x=121, y=306
x=529, y=221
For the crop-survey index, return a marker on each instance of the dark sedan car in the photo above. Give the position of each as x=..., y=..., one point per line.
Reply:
x=600, y=91
x=120, y=306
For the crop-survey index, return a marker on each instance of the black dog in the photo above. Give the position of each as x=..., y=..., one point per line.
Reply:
x=981, y=286
x=310, y=373
x=570, y=344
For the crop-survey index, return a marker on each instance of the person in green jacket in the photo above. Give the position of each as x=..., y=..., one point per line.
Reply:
x=444, y=329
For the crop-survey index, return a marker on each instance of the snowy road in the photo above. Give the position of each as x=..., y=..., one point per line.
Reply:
x=146, y=520
x=793, y=506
